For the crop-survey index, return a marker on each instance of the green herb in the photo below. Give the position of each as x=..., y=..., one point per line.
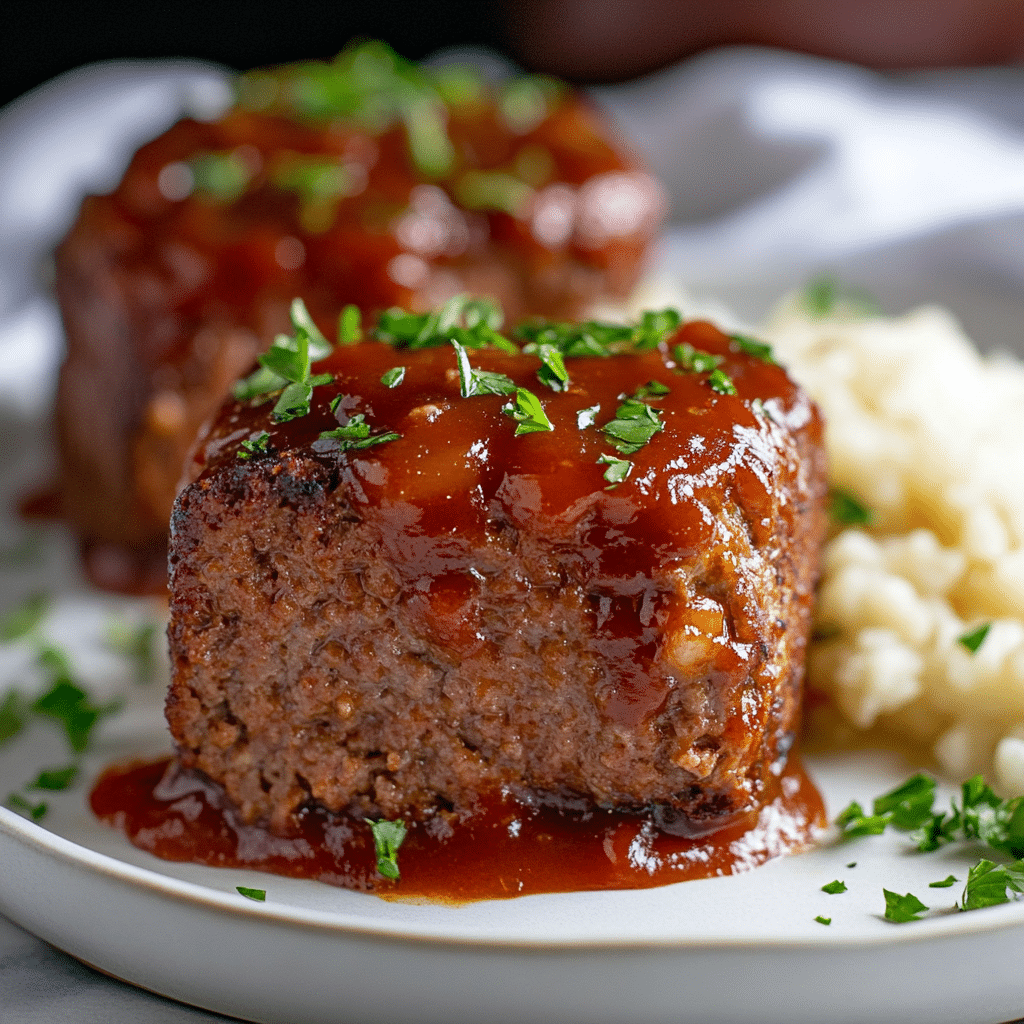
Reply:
x=901, y=909
x=492, y=190
x=350, y=326
x=634, y=425
x=526, y=101
x=693, y=360
x=853, y=822
x=825, y=296
x=393, y=377
x=136, y=643
x=388, y=836
x=721, y=382
x=852, y=864
x=834, y=888
x=553, y=372
x=12, y=718
x=528, y=413
x=617, y=471
x=480, y=382
x=652, y=389
x=18, y=803
x=319, y=182
x=972, y=641
x=253, y=446
x=22, y=620
x=909, y=805
x=286, y=367
x=987, y=884
x=355, y=435
x=752, y=347
x=587, y=417
x=945, y=883
x=259, y=895
x=55, y=779
x=595, y=338
x=220, y=177
x=68, y=704
x=846, y=510
x=823, y=920
x=474, y=323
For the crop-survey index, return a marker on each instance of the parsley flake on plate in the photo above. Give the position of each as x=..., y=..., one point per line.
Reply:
x=23, y=619
x=901, y=909
x=12, y=716
x=988, y=882
x=823, y=920
x=27, y=809
x=834, y=888
x=259, y=895
x=55, y=779
x=945, y=883
x=388, y=836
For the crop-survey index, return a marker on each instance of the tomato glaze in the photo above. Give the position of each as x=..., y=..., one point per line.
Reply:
x=505, y=849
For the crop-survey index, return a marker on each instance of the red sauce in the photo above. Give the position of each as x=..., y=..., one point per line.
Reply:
x=506, y=849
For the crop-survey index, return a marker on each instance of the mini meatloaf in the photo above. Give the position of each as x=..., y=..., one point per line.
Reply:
x=365, y=181
x=407, y=598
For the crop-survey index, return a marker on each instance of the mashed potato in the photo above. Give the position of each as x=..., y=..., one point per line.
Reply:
x=928, y=435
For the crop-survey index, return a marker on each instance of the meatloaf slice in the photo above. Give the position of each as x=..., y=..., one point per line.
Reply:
x=614, y=610
x=311, y=184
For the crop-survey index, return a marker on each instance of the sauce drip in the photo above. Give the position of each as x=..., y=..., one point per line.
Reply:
x=505, y=849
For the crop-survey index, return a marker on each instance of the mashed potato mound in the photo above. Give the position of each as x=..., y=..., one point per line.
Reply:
x=928, y=435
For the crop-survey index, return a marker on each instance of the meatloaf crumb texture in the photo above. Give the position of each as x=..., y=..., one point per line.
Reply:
x=396, y=631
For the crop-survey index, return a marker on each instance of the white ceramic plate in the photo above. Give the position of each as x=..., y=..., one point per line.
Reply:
x=735, y=950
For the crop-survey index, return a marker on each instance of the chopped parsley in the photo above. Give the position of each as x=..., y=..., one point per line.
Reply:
x=259, y=895
x=12, y=716
x=988, y=882
x=634, y=425
x=752, y=347
x=393, y=377
x=973, y=640
x=388, y=836
x=355, y=434
x=23, y=619
x=319, y=182
x=945, y=883
x=587, y=417
x=55, y=779
x=834, y=888
x=721, y=382
x=528, y=413
x=823, y=920
x=552, y=372
x=693, y=360
x=219, y=177
x=27, y=809
x=652, y=389
x=596, y=338
x=492, y=190
x=846, y=510
x=480, y=382
x=350, y=325
x=474, y=323
x=253, y=446
x=617, y=471
x=901, y=909
x=286, y=368
x=67, y=703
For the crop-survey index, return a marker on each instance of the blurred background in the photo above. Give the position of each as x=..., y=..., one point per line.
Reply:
x=584, y=40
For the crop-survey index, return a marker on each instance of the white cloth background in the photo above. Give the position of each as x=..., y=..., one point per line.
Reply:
x=777, y=166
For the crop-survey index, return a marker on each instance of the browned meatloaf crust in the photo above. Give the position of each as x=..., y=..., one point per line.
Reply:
x=168, y=294
x=396, y=630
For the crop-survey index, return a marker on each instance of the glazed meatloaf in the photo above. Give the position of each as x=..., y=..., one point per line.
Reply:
x=577, y=572
x=365, y=181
